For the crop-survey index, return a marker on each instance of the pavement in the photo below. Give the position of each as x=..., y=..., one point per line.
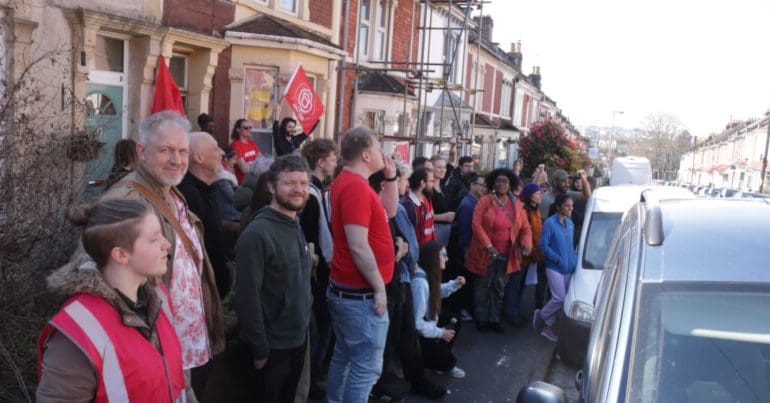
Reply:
x=496, y=367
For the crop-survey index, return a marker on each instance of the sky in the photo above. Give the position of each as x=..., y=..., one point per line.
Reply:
x=704, y=62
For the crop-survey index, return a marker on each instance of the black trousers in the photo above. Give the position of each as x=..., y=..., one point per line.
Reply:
x=277, y=381
x=402, y=336
x=437, y=353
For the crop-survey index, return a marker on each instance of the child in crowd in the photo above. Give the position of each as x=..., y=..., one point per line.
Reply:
x=437, y=332
x=113, y=340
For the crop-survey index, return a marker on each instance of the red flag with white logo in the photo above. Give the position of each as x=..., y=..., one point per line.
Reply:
x=303, y=100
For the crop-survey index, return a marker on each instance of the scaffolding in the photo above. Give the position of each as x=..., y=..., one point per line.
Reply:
x=417, y=73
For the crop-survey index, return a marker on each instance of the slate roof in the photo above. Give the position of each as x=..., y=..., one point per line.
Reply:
x=268, y=25
x=443, y=100
x=375, y=81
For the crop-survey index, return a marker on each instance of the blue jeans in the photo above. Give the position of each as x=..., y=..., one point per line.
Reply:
x=357, y=359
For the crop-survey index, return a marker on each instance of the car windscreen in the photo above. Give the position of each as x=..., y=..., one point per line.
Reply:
x=730, y=192
x=601, y=229
x=696, y=343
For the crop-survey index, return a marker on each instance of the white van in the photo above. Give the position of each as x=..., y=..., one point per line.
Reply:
x=630, y=171
x=604, y=211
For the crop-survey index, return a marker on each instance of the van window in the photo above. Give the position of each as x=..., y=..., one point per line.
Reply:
x=601, y=229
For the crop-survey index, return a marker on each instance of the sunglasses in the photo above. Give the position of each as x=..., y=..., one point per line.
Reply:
x=443, y=254
x=246, y=127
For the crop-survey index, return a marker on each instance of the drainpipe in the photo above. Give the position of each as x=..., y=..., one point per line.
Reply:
x=342, y=66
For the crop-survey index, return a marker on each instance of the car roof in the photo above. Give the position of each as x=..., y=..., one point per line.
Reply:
x=620, y=198
x=711, y=241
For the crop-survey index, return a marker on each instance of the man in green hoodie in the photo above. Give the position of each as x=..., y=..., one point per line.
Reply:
x=272, y=295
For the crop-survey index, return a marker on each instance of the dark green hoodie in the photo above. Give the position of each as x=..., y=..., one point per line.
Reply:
x=272, y=290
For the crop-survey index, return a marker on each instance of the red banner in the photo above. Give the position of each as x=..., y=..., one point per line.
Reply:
x=303, y=100
x=401, y=151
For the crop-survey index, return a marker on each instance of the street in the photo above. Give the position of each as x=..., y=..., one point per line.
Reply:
x=498, y=365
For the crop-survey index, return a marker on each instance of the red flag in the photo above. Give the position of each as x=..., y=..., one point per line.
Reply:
x=167, y=95
x=303, y=100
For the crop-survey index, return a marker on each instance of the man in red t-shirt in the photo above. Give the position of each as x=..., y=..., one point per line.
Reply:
x=362, y=264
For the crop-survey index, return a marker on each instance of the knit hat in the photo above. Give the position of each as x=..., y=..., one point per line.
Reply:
x=528, y=191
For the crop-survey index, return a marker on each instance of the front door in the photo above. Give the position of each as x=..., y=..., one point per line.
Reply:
x=104, y=115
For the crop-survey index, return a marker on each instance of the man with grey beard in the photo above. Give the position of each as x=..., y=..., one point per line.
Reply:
x=163, y=148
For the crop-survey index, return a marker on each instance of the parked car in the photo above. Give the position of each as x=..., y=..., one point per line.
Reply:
x=630, y=170
x=683, y=310
x=714, y=192
x=754, y=195
x=727, y=193
x=604, y=211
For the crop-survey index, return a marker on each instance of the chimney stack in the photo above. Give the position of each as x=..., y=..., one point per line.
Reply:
x=535, y=76
x=485, y=25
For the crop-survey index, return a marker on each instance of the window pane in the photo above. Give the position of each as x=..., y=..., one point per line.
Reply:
x=108, y=54
x=259, y=97
x=379, y=45
x=366, y=10
x=363, y=40
x=289, y=5
x=381, y=14
x=177, y=67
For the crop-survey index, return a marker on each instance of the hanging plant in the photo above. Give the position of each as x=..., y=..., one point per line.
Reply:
x=84, y=146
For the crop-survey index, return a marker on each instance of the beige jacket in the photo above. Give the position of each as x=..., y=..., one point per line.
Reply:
x=211, y=299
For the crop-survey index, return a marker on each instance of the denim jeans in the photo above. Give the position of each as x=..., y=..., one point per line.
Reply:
x=357, y=359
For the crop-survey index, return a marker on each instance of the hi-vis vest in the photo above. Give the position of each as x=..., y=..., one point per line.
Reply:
x=129, y=368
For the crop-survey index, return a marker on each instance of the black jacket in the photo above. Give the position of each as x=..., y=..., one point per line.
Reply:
x=272, y=294
x=201, y=198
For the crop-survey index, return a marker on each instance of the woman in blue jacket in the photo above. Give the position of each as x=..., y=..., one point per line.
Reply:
x=556, y=242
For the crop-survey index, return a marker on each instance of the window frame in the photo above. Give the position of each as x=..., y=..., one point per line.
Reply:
x=366, y=49
x=295, y=10
x=378, y=118
x=183, y=87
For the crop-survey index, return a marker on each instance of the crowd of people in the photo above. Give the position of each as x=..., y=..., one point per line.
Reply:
x=344, y=265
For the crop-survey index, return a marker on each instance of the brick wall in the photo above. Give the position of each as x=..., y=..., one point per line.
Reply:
x=402, y=29
x=321, y=12
x=489, y=88
x=204, y=16
x=498, y=91
x=219, y=106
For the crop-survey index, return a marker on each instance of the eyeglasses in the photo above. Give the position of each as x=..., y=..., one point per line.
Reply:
x=246, y=127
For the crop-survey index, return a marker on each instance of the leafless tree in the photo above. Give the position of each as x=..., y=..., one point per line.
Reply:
x=662, y=140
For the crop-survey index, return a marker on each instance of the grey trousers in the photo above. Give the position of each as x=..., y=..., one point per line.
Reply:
x=488, y=291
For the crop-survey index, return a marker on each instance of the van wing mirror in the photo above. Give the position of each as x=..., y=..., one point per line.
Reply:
x=541, y=392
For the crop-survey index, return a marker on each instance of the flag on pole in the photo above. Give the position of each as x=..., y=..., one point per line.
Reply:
x=167, y=95
x=303, y=100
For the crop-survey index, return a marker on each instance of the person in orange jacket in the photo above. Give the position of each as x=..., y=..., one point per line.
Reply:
x=501, y=234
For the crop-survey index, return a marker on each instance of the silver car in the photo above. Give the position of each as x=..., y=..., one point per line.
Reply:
x=683, y=309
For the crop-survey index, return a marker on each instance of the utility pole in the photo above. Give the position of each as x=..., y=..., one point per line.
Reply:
x=764, y=156
x=612, y=130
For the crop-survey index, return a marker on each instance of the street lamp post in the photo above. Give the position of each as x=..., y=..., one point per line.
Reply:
x=612, y=130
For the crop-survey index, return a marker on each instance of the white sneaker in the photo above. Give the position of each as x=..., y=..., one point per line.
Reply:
x=454, y=373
